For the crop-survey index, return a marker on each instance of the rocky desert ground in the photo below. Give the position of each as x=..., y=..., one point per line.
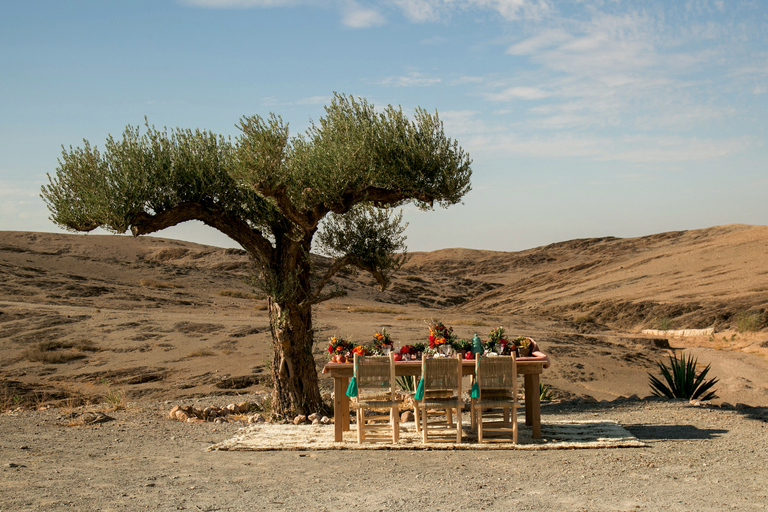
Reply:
x=88, y=320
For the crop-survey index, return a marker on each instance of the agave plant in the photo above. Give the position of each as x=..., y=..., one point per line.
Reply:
x=545, y=392
x=683, y=381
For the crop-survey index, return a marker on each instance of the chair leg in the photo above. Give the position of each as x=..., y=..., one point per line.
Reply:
x=360, y=426
x=424, y=424
x=394, y=418
x=514, y=424
x=472, y=414
x=416, y=415
x=458, y=426
x=479, y=424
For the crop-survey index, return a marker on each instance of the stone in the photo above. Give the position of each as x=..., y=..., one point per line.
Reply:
x=325, y=420
x=316, y=421
x=314, y=416
x=232, y=408
x=172, y=414
x=256, y=418
x=407, y=416
x=243, y=407
x=298, y=420
x=93, y=418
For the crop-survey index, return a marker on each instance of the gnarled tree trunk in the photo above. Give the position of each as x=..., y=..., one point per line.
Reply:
x=293, y=366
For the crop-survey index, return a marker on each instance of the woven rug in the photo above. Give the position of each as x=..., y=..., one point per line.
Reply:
x=566, y=435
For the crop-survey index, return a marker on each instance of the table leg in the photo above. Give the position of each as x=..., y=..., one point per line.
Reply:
x=338, y=393
x=345, y=404
x=533, y=404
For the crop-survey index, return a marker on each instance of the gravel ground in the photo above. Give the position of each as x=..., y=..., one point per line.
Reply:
x=698, y=458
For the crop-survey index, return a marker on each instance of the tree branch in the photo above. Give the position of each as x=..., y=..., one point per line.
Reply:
x=285, y=205
x=323, y=298
x=337, y=265
x=235, y=228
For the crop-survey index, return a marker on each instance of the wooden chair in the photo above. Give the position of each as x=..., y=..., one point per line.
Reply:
x=441, y=380
x=496, y=379
x=375, y=378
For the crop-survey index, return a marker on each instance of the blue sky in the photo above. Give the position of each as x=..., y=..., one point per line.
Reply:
x=583, y=118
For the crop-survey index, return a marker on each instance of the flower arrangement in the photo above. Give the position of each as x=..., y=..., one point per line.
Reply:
x=497, y=341
x=361, y=350
x=338, y=348
x=381, y=340
x=439, y=334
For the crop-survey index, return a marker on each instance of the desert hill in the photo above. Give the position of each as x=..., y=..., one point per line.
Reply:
x=83, y=314
x=693, y=279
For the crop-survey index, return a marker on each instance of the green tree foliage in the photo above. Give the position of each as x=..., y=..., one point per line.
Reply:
x=271, y=192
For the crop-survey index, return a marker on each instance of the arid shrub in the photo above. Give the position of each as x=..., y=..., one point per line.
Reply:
x=239, y=295
x=749, y=321
x=57, y=352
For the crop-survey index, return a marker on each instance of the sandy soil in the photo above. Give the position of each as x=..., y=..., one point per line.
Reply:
x=697, y=458
x=154, y=323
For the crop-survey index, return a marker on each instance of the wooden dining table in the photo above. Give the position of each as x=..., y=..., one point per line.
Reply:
x=529, y=367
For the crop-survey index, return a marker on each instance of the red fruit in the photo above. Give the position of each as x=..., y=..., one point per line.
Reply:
x=398, y=357
x=342, y=359
x=469, y=355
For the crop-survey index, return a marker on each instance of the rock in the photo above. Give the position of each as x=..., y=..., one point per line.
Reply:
x=243, y=407
x=298, y=420
x=256, y=418
x=93, y=418
x=726, y=405
x=232, y=408
x=316, y=421
x=407, y=416
x=740, y=406
x=325, y=420
x=182, y=416
x=172, y=414
x=312, y=417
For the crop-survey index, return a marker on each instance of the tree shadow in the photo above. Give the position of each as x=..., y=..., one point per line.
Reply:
x=672, y=432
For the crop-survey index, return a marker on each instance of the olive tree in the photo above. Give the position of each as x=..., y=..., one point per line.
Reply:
x=271, y=192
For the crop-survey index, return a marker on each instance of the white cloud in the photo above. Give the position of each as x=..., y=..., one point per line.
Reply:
x=410, y=80
x=355, y=15
x=314, y=100
x=421, y=11
x=523, y=93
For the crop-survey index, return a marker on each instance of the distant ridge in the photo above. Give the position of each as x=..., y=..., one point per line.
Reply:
x=694, y=279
